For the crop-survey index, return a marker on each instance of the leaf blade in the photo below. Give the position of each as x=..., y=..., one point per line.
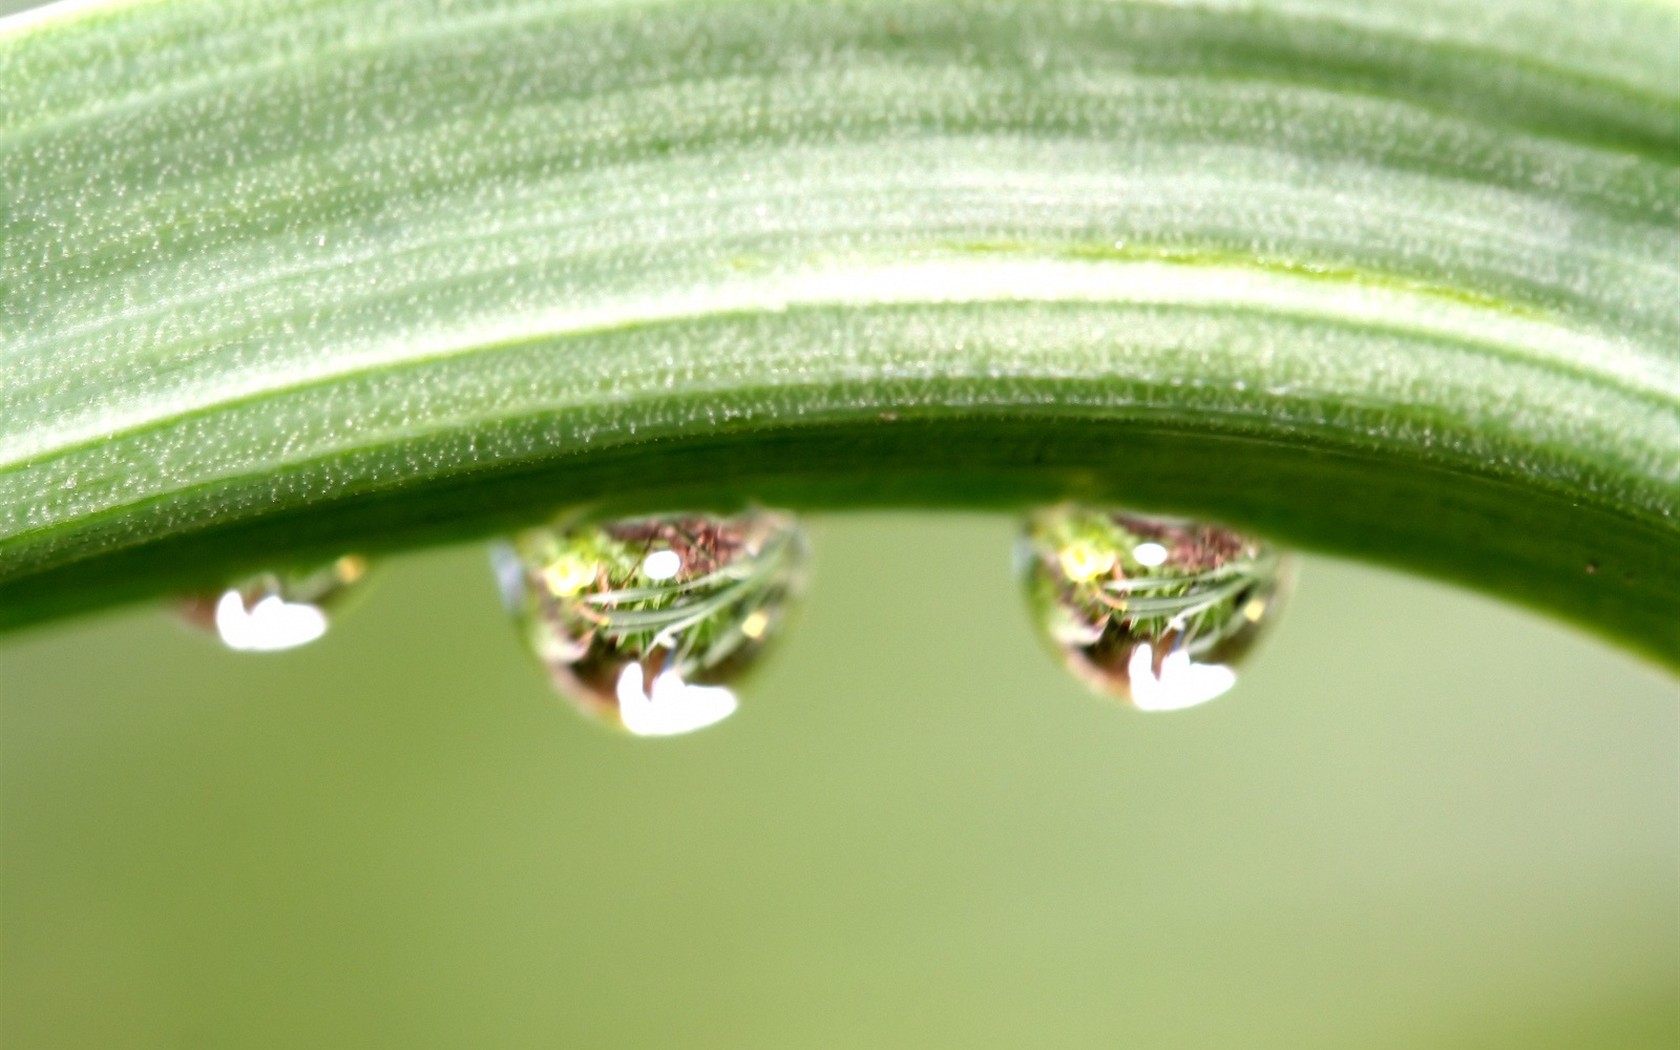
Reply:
x=345, y=256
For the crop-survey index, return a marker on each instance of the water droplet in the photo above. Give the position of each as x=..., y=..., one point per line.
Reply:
x=1152, y=610
x=277, y=610
x=642, y=622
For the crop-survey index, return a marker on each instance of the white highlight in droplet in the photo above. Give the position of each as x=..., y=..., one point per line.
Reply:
x=1150, y=555
x=661, y=565
x=1181, y=684
x=671, y=706
x=272, y=624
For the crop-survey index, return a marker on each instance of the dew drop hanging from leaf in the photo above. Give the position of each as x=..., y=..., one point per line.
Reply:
x=643, y=623
x=1152, y=610
x=277, y=610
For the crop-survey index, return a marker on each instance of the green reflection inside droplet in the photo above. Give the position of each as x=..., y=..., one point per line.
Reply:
x=1152, y=610
x=643, y=622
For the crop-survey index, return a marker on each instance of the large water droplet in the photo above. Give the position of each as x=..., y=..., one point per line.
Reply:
x=1152, y=610
x=642, y=622
x=276, y=610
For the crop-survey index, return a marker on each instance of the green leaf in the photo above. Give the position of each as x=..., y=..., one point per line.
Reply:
x=1400, y=281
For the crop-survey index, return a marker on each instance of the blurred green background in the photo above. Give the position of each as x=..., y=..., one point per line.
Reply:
x=1422, y=820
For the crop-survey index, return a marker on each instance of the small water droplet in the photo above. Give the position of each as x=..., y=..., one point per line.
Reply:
x=1152, y=610
x=643, y=622
x=276, y=610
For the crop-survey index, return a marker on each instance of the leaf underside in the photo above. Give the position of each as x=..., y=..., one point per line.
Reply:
x=1400, y=280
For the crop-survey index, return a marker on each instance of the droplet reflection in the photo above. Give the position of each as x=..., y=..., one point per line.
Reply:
x=642, y=622
x=1152, y=610
x=272, y=611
